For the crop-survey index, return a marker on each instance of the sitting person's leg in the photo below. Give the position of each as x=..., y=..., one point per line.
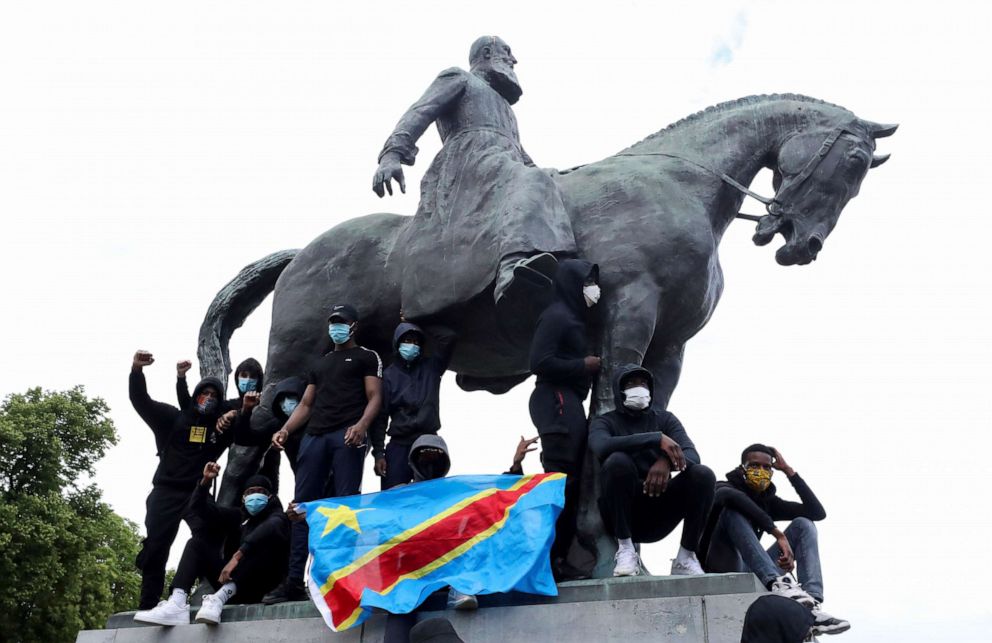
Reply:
x=620, y=486
x=736, y=531
x=801, y=533
x=201, y=558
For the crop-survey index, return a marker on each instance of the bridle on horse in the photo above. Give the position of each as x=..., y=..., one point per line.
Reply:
x=773, y=205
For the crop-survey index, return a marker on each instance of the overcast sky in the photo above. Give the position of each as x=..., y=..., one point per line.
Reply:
x=149, y=151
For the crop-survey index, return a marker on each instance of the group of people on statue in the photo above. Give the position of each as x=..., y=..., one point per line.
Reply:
x=327, y=420
x=651, y=475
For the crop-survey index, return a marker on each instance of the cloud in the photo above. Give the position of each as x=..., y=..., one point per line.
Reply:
x=726, y=46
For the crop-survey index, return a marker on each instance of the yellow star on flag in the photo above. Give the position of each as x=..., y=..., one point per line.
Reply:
x=340, y=515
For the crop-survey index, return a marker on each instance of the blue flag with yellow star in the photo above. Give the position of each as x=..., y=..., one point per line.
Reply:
x=390, y=550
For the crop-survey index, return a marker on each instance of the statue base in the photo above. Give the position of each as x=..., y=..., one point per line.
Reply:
x=703, y=609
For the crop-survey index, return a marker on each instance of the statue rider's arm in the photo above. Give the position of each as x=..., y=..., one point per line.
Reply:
x=401, y=146
x=445, y=90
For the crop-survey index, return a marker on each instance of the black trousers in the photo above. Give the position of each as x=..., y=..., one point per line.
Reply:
x=561, y=422
x=629, y=513
x=164, y=509
x=398, y=469
x=255, y=575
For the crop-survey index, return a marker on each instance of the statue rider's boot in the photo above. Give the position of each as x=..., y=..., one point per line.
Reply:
x=524, y=284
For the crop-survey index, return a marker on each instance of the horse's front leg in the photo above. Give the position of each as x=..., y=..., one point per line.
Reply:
x=665, y=364
x=628, y=327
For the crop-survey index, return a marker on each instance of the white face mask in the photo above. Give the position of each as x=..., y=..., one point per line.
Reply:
x=591, y=294
x=637, y=398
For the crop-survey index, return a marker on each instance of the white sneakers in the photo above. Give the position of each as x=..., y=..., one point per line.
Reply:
x=788, y=587
x=687, y=566
x=168, y=612
x=210, y=610
x=165, y=613
x=628, y=563
x=826, y=624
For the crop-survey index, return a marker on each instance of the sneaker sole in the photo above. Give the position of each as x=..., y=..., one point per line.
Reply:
x=831, y=629
x=165, y=622
x=621, y=574
x=203, y=620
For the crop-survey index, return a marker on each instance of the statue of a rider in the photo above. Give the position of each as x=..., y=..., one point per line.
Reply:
x=486, y=211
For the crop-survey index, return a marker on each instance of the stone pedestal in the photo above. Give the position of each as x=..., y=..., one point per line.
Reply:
x=704, y=609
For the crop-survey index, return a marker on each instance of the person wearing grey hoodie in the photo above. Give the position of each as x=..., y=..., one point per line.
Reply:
x=411, y=390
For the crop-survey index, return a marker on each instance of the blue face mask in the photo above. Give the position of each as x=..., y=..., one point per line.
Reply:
x=255, y=502
x=339, y=333
x=288, y=405
x=247, y=384
x=409, y=352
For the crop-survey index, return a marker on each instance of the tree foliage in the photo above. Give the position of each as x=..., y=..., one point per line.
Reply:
x=66, y=559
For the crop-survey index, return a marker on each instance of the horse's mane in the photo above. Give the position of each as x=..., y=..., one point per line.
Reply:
x=757, y=99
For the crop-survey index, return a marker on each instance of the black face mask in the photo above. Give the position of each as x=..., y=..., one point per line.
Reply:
x=431, y=465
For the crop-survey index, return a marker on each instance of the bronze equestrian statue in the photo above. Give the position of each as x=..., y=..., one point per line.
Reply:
x=651, y=216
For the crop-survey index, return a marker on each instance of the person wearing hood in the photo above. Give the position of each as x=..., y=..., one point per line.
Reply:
x=286, y=398
x=411, y=389
x=561, y=360
x=340, y=404
x=250, y=377
x=747, y=505
x=639, y=446
x=250, y=561
x=185, y=441
x=428, y=459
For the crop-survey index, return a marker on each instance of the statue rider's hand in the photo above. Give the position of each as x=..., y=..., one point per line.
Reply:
x=389, y=169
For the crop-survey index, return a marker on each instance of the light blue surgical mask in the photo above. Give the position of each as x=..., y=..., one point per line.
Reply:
x=339, y=333
x=288, y=405
x=247, y=384
x=255, y=502
x=409, y=352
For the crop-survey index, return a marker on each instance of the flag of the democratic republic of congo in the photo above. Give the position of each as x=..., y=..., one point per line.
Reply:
x=390, y=550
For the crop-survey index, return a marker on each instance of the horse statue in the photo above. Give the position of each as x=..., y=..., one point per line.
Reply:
x=651, y=216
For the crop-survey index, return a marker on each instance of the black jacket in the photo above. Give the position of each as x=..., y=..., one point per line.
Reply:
x=267, y=531
x=760, y=509
x=411, y=391
x=637, y=432
x=186, y=440
x=560, y=346
x=250, y=365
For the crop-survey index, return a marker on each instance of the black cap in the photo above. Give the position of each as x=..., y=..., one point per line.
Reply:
x=345, y=312
x=435, y=630
x=258, y=480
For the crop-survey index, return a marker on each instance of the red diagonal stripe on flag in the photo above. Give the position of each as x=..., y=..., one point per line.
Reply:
x=424, y=547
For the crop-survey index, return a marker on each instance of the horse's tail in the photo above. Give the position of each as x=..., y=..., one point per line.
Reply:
x=231, y=307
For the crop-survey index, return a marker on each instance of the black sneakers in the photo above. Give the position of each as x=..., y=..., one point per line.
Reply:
x=288, y=590
x=826, y=624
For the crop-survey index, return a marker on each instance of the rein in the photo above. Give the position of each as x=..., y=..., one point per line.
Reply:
x=771, y=203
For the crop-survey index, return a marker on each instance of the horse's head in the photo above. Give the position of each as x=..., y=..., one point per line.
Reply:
x=816, y=173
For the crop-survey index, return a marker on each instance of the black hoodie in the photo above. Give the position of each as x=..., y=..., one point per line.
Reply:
x=761, y=509
x=637, y=432
x=560, y=345
x=411, y=391
x=267, y=531
x=186, y=440
x=294, y=386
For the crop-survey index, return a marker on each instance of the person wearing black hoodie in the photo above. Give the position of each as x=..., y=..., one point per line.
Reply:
x=744, y=507
x=185, y=441
x=639, y=446
x=411, y=389
x=559, y=357
x=287, y=397
x=250, y=561
x=247, y=452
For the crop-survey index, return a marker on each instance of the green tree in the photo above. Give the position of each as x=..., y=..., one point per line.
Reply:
x=66, y=559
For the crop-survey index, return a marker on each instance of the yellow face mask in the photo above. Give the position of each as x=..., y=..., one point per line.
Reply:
x=757, y=478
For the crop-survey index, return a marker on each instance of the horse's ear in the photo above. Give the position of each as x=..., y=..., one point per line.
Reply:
x=880, y=130
x=879, y=159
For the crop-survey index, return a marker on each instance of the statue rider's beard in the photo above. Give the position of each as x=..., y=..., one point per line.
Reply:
x=503, y=79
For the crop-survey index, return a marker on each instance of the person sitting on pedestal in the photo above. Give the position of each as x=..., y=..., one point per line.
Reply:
x=639, y=446
x=258, y=534
x=747, y=505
